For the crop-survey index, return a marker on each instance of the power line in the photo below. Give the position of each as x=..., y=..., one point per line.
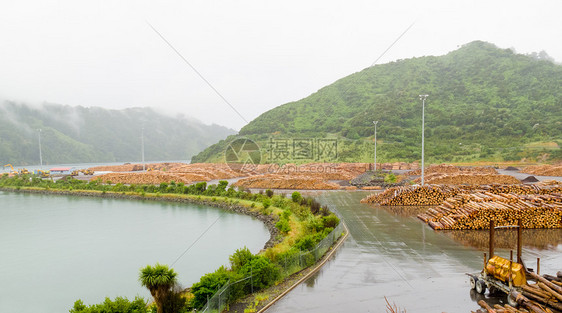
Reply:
x=196, y=71
x=198, y=238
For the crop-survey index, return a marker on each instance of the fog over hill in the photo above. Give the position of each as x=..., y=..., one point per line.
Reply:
x=79, y=134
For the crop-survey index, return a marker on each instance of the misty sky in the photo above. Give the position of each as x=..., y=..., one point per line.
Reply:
x=256, y=54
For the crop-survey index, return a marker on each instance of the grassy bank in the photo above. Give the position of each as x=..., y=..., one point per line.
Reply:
x=297, y=227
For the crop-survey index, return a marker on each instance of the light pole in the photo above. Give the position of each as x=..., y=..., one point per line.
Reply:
x=40, y=154
x=142, y=148
x=375, y=122
x=422, y=98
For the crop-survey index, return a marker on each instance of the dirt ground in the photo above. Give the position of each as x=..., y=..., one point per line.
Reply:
x=312, y=176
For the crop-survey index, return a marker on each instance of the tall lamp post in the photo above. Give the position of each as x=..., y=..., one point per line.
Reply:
x=422, y=98
x=142, y=148
x=375, y=122
x=40, y=154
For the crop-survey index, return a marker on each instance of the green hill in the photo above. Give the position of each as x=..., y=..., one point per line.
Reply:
x=484, y=103
x=83, y=135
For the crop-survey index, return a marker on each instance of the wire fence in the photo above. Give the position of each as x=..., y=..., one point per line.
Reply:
x=288, y=266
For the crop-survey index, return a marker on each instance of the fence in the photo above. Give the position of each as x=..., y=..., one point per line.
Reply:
x=288, y=265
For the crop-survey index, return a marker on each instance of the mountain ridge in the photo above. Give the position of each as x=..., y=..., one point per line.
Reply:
x=485, y=103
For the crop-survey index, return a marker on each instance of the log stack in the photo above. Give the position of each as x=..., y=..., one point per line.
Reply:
x=463, y=178
x=452, y=169
x=413, y=195
x=544, y=170
x=275, y=181
x=152, y=177
x=475, y=210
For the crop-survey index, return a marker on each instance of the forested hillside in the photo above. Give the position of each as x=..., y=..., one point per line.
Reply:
x=79, y=134
x=484, y=103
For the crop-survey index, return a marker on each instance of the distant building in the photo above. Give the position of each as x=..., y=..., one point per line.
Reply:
x=61, y=170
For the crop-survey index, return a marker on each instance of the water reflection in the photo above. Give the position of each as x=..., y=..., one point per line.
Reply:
x=404, y=211
x=542, y=239
x=497, y=298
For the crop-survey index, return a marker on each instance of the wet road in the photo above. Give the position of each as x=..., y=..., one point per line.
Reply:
x=396, y=256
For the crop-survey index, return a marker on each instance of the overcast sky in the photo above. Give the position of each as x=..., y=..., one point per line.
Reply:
x=256, y=54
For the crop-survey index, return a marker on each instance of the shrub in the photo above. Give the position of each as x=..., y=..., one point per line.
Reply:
x=283, y=225
x=240, y=258
x=296, y=197
x=390, y=178
x=314, y=224
x=121, y=305
x=209, y=284
x=200, y=187
x=330, y=221
x=163, y=187
x=280, y=202
x=221, y=188
x=264, y=272
x=266, y=203
x=306, y=243
x=269, y=193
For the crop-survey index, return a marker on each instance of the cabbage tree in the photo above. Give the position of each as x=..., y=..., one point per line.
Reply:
x=159, y=279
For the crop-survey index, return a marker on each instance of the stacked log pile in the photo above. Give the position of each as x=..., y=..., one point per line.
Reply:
x=452, y=169
x=209, y=171
x=468, y=179
x=413, y=195
x=128, y=167
x=544, y=170
x=274, y=181
x=538, y=188
x=152, y=177
x=474, y=210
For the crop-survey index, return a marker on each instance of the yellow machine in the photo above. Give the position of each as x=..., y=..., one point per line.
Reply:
x=498, y=267
x=10, y=165
x=24, y=171
x=43, y=174
x=83, y=171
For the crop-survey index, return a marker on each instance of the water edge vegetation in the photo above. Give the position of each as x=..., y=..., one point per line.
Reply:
x=297, y=225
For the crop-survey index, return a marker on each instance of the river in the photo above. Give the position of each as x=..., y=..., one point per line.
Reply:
x=57, y=249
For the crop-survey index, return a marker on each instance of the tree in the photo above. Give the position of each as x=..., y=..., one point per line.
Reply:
x=159, y=279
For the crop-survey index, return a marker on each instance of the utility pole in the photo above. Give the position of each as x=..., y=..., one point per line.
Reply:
x=422, y=98
x=40, y=154
x=375, y=122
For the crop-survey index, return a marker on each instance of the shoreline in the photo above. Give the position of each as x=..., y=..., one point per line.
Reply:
x=277, y=291
x=268, y=220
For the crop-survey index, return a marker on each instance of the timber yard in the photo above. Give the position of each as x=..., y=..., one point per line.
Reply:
x=444, y=246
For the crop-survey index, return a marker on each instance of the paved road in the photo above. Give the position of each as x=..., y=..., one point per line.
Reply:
x=394, y=256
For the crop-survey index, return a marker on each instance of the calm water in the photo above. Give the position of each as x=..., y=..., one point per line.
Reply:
x=57, y=249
